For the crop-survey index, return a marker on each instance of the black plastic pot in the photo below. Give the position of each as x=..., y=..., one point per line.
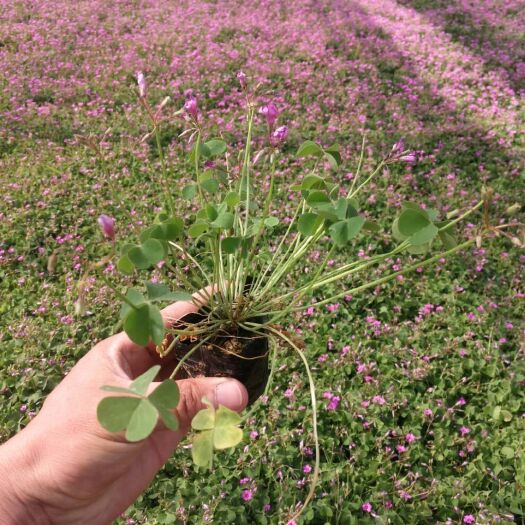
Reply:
x=242, y=355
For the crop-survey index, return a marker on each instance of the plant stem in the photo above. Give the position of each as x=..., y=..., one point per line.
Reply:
x=164, y=177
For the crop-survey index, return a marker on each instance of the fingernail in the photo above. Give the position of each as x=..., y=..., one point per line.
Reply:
x=229, y=394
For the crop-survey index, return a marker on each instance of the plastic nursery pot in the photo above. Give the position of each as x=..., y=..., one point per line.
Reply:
x=241, y=355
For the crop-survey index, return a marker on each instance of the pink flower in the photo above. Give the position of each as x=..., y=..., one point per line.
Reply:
x=107, y=224
x=241, y=77
x=464, y=431
x=378, y=400
x=141, y=81
x=271, y=113
x=410, y=438
x=288, y=393
x=333, y=403
x=247, y=494
x=279, y=135
x=401, y=449
x=254, y=434
x=469, y=518
x=427, y=412
x=366, y=507
x=190, y=106
x=307, y=469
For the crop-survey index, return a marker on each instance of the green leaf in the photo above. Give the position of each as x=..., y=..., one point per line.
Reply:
x=216, y=147
x=156, y=324
x=309, y=223
x=507, y=452
x=371, y=227
x=166, y=395
x=411, y=221
x=341, y=207
x=125, y=265
x=141, y=383
x=145, y=322
x=448, y=240
x=335, y=152
x=224, y=221
x=114, y=413
x=226, y=437
x=160, y=292
x=197, y=229
x=317, y=197
x=343, y=231
x=332, y=161
x=204, y=151
x=202, y=449
x=211, y=212
x=313, y=182
x=395, y=231
x=165, y=398
x=230, y=244
x=142, y=421
x=232, y=199
x=135, y=298
x=418, y=250
x=189, y=191
x=425, y=235
x=210, y=185
x=271, y=222
x=309, y=147
x=171, y=229
x=148, y=254
x=204, y=419
x=225, y=417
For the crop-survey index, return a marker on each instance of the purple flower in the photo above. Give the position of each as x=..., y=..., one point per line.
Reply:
x=366, y=507
x=279, y=135
x=410, y=438
x=247, y=494
x=288, y=393
x=398, y=147
x=190, y=106
x=409, y=158
x=241, y=77
x=401, y=449
x=464, y=431
x=271, y=113
x=107, y=224
x=333, y=403
x=141, y=81
x=307, y=469
x=469, y=518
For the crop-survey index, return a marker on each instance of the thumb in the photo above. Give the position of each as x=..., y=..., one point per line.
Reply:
x=218, y=390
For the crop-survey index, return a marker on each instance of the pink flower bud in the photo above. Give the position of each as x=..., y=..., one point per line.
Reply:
x=279, y=135
x=271, y=113
x=190, y=106
x=141, y=81
x=409, y=158
x=242, y=78
x=107, y=225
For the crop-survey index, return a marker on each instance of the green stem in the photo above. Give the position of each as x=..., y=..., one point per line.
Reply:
x=164, y=177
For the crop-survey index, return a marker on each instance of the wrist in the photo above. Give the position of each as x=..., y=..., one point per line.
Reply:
x=19, y=463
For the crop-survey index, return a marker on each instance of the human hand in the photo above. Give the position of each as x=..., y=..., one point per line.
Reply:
x=64, y=468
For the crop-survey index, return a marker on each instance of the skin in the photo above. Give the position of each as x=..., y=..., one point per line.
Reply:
x=64, y=468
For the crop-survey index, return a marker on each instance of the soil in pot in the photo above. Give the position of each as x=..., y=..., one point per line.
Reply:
x=241, y=355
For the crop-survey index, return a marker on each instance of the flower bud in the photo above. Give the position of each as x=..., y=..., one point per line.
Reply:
x=398, y=147
x=190, y=106
x=409, y=158
x=107, y=225
x=141, y=81
x=279, y=135
x=271, y=113
x=242, y=78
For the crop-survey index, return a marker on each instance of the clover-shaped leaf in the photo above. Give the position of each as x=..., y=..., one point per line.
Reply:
x=136, y=413
x=143, y=323
x=218, y=429
x=343, y=231
x=416, y=225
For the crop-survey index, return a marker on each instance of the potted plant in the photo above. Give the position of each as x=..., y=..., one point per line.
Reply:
x=240, y=262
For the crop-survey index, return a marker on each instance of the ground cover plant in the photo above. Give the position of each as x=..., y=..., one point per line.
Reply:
x=421, y=406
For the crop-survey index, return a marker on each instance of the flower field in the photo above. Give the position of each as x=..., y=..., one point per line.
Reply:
x=419, y=381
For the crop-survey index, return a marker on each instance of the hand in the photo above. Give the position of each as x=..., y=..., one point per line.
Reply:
x=64, y=468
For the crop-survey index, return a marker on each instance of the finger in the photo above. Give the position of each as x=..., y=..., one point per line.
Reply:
x=218, y=390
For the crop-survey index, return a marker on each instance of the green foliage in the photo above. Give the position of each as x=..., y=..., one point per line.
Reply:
x=139, y=413
x=218, y=429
